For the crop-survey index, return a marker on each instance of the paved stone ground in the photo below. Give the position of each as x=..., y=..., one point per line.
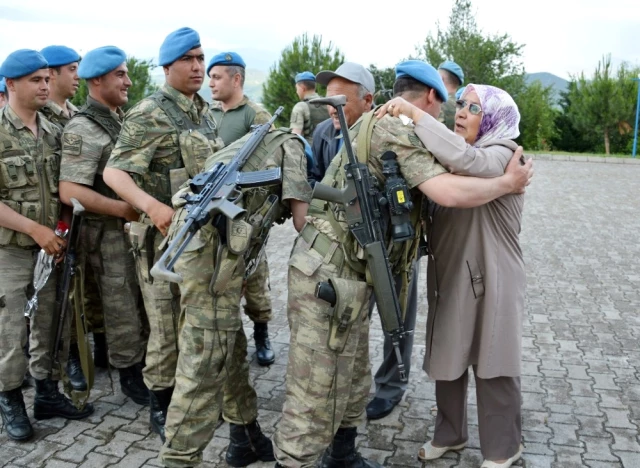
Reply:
x=581, y=369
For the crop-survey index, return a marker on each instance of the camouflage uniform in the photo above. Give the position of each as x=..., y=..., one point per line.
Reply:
x=86, y=147
x=317, y=377
x=149, y=149
x=29, y=168
x=448, y=112
x=233, y=124
x=306, y=116
x=92, y=302
x=213, y=346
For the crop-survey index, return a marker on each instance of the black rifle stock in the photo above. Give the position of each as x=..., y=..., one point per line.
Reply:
x=66, y=281
x=216, y=192
x=361, y=199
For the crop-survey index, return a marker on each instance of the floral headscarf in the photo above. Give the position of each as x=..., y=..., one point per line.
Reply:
x=500, y=115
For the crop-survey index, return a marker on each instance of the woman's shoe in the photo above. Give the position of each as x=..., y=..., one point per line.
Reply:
x=507, y=464
x=429, y=452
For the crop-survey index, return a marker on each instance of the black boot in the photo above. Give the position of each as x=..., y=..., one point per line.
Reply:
x=14, y=415
x=343, y=454
x=132, y=384
x=50, y=403
x=100, y=351
x=74, y=369
x=244, y=450
x=265, y=354
x=158, y=405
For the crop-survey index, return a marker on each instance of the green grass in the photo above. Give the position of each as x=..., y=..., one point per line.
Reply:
x=564, y=153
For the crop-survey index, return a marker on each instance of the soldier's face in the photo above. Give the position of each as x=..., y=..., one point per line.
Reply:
x=114, y=87
x=222, y=84
x=29, y=92
x=187, y=73
x=64, y=80
x=467, y=122
x=355, y=106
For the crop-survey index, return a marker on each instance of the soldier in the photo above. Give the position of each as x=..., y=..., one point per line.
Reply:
x=87, y=141
x=213, y=346
x=164, y=140
x=29, y=210
x=3, y=93
x=63, y=84
x=453, y=77
x=305, y=116
x=327, y=390
x=235, y=113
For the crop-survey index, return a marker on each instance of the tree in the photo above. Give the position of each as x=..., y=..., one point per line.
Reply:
x=303, y=54
x=600, y=104
x=141, y=87
x=384, y=79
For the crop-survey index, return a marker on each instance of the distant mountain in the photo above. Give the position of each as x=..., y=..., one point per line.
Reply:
x=549, y=79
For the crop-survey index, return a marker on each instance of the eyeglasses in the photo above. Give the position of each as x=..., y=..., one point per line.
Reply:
x=474, y=108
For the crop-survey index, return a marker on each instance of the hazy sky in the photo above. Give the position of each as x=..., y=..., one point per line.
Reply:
x=560, y=36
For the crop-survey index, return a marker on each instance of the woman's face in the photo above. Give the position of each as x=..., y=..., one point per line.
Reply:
x=468, y=117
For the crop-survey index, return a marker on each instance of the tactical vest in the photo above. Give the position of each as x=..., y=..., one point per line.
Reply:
x=318, y=113
x=401, y=255
x=112, y=127
x=29, y=185
x=194, y=144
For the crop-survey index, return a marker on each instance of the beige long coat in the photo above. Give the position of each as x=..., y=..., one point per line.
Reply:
x=475, y=277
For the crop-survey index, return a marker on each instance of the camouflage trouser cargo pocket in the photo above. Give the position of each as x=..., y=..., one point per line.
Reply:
x=350, y=296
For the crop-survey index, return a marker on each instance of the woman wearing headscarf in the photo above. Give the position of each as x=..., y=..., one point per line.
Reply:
x=475, y=281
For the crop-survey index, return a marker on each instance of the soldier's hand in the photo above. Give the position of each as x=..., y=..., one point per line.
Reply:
x=129, y=213
x=519, y=171
x=161, y=215
x=48, y=240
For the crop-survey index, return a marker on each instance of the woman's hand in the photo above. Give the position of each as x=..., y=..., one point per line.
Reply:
x=398, y=106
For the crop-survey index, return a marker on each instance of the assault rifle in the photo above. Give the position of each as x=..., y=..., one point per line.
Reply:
x=362, y=199
x=216, y=193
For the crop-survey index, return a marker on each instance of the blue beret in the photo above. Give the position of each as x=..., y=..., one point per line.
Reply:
x=454, y=68
x=424, y=73
x=3, y=86
x=177, y=44
x=100, y=61
x=57, y=55
x=305, y=76
x=460, y=92
x=22, y=62
x=226, y=58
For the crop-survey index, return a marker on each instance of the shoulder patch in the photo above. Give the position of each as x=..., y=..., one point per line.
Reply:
x=72, y=144
x=415, y=141
x=131, y=134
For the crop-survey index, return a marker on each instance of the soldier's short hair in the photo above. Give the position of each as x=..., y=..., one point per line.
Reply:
x=234, y=70
x=450, y=79
x=308, y=84
x=409, y=88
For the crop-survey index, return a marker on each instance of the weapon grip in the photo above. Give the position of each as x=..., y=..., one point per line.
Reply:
x=78, y=209
x=161, y=272
x=326, y=292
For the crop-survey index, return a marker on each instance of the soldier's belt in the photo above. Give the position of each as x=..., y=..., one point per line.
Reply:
x=108, y=223
x=323, y=245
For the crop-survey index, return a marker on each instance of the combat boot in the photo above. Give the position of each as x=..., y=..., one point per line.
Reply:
x=343, y=454
x=248, y=445
x=100, y=351
x=265, y=354
x=158, y=406
x=50, y=403
x=132, y=384
x=14, y=415
x=74, y=369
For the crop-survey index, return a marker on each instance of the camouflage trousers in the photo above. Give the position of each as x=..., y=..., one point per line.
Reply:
x=16, y=275
x=256, y=294
x=212, y=371
x=161, y=302
x=107, y=251
x=92, y=305
x=321, y=382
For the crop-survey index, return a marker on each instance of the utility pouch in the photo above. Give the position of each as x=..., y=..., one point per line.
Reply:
x=141, y=237
x=7, y=234
x=238, y=235
x=177, y=178
x=351, y=298
x=226, y=264
x=32, y=211
x=195, y=148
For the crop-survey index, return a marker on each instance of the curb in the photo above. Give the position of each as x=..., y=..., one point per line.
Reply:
x=591, y=159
